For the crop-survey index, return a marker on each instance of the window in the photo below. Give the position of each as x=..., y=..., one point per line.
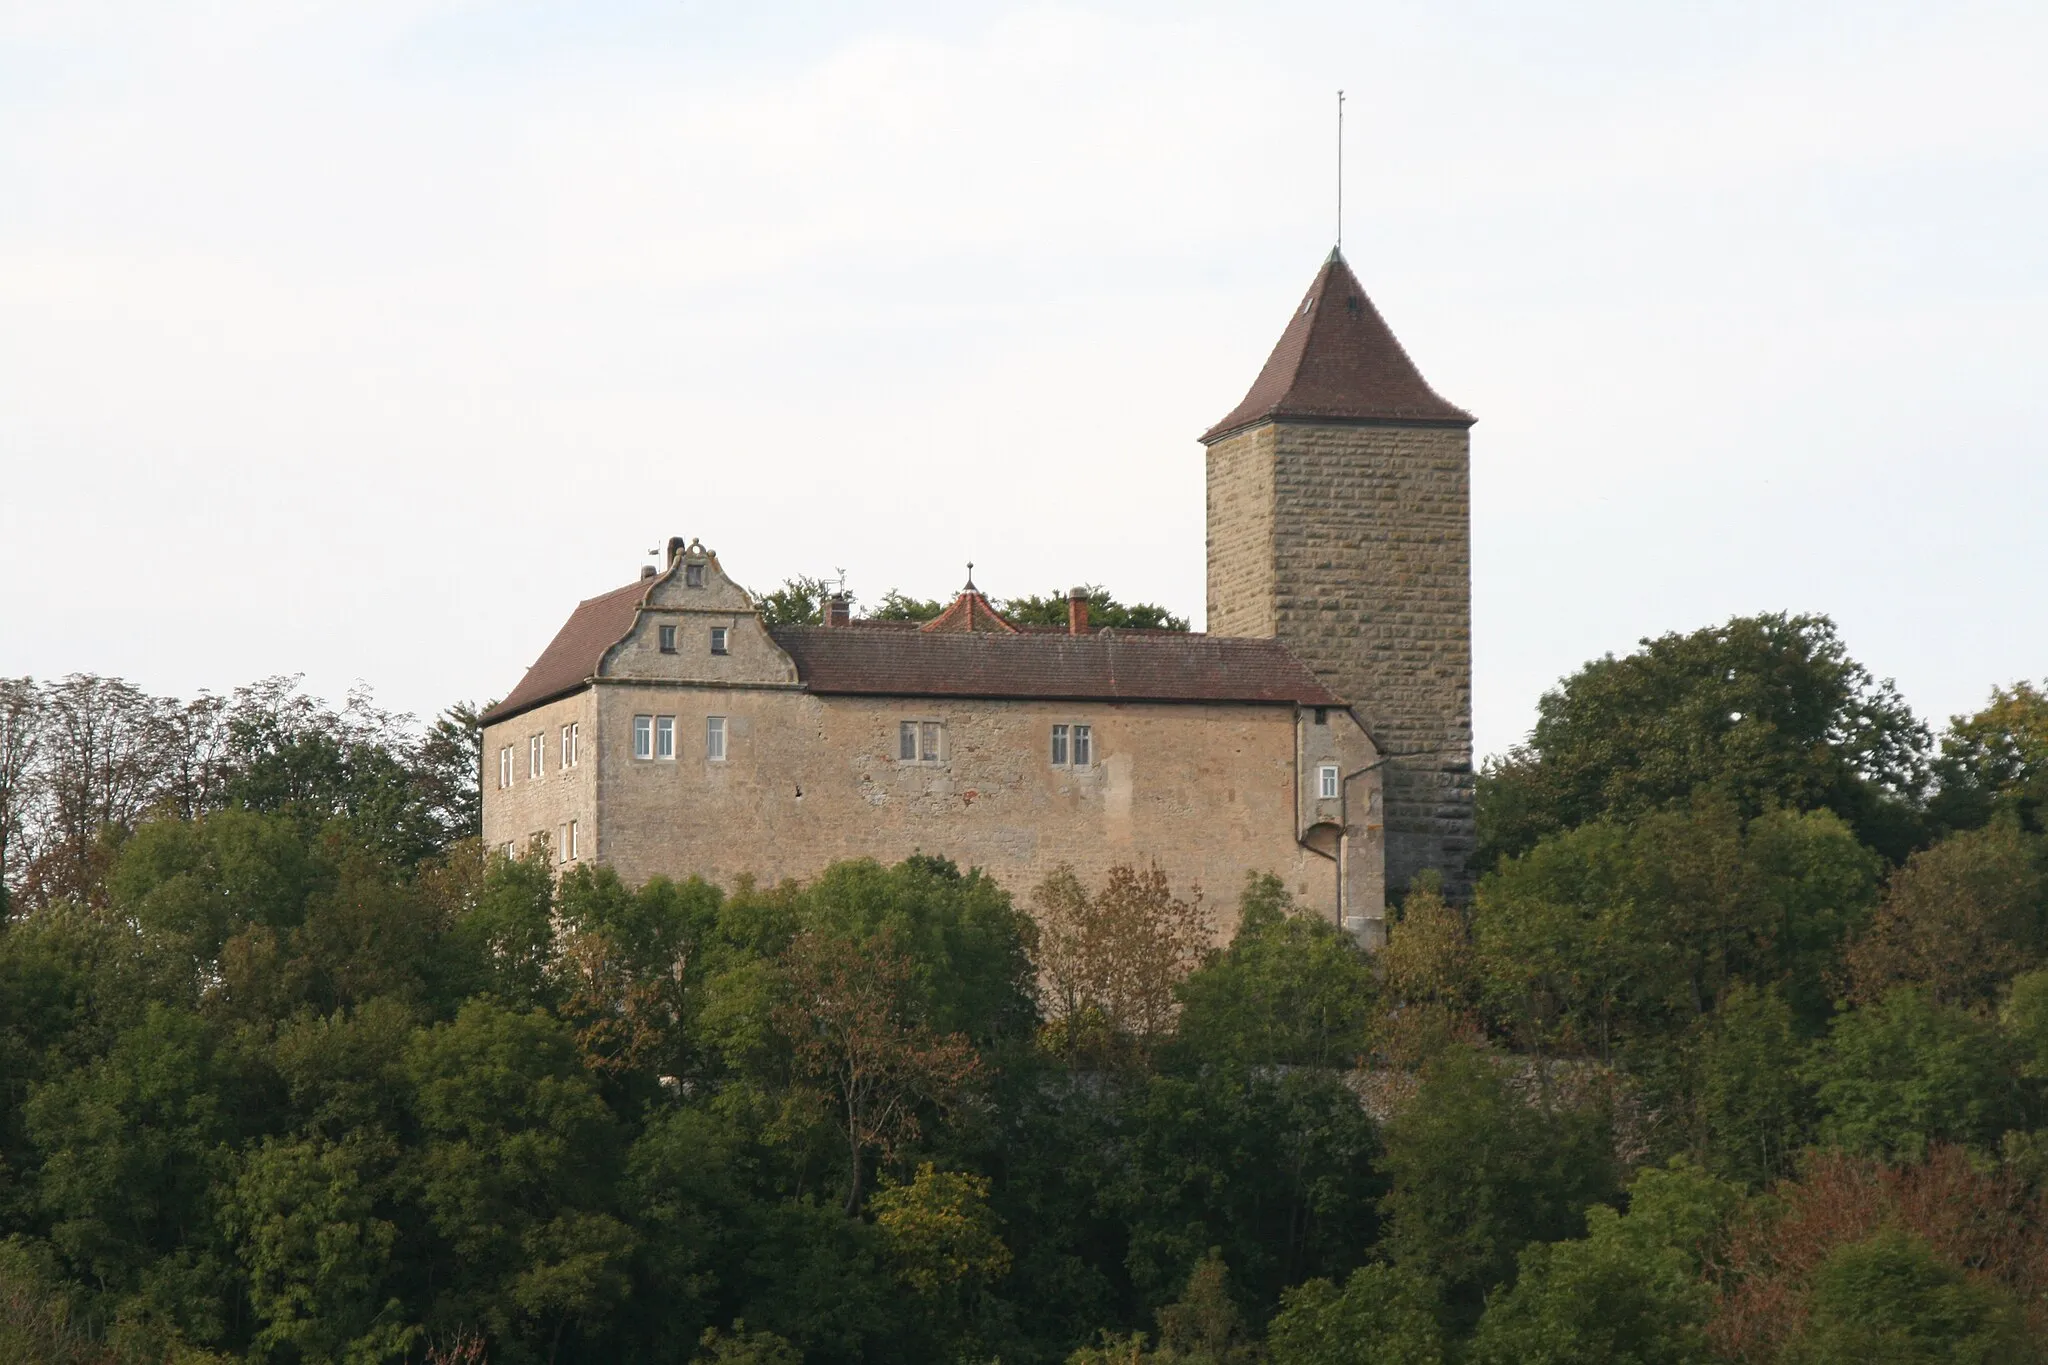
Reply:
x=1322, y=715
x=667, y=636
x=569, y=745
x=714, y=738
x=561, y=843
x=643, y=737
x=1073, y=746
x=1328, y=785
x=664, y=736
x=511, y=850
x=718, y=634
x=921, y=741
x=693, y=575
x=536, y=753
x=572, y=841
x=505, y=766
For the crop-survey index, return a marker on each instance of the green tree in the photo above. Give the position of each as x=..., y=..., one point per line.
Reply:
x=1204, y=1326
x=1906, y=1072
x=1291, y=989
x=1383, y=1315
x=1752, y=1109
x=1890, y=1299
x=1103, y=611
x=1603, y=1300
x=1995, y=762
x=1479, y=1172
x=800, y=601
x=1959, y=919
x=1762, y=712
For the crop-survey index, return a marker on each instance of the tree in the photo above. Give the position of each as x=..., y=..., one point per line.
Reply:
x=1479, y=1172
x=800, y=601
x=1762, y=712
x=1383, y=1315
x=21, y=732
x=1291, y=989
x=1995, y=762
x=1204, y=1326
x=1906, y=1072
x=947, y=1251
x=1104, y=611
x=1111, y=961
x=1752, y=1111
x=1890, y=1298
x=1607, y=1299
x=897, y=607
x=1960, y=919
x=854, y=1039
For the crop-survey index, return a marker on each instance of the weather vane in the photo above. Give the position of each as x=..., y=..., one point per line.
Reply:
x=1340, y=170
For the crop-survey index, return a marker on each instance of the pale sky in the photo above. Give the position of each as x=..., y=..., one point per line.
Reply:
x=363, y=339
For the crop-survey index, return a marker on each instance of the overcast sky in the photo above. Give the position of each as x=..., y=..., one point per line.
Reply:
x=363, y=339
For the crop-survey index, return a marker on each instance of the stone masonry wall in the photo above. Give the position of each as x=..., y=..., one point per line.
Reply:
x=1371, y=587
x=1207, y=791
x=1240, y=540
x=528, y=807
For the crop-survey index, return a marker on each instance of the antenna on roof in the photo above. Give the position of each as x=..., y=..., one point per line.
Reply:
x=1340, y=170
x=970, y=577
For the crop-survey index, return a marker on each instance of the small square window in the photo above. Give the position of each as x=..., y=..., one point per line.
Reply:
x=1083, y=746
x=664, y=736
x=667, y=636
x=906, y=741
x=714, y=738
x=643, y=737
x=718, y=634
x=536, y=755
x=1328, y=782
x=693, y=575
x=1059, y=746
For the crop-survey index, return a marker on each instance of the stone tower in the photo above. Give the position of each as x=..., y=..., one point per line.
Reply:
x=1340, y=521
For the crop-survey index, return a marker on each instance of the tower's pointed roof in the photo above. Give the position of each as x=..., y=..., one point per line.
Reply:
x=1338, y=360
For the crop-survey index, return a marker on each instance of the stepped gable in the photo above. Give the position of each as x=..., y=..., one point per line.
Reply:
x=1339, y=361
x=571, y=658
x=1105, y=665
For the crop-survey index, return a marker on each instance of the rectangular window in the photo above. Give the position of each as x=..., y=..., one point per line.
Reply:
x=536, y=754
x=714, y=738
x=1059, y=746
x=561, y=843
x=693, y=575
x=667, y=635
x=572, y=841
x=1084, y=745
x=511, y=850
x=505, y=766
x=1328, y=785
x=906, y=741
x=718, y=639
x=664, y=736
x=569, y=745
x=643, y=737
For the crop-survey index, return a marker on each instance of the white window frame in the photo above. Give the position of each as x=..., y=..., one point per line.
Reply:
x=927, y=740
x=643, y=736
x=1329, y=782
x=665, y=738
x=504, y=767
x=561, y=843
x=1059, y=745
x=721, y=640
x=573, y=852
x=715, y=736
x=569, y=745
x=1081, y=739
x=537, y=755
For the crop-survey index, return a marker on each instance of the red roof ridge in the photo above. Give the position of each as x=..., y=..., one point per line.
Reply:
x=1337, y=360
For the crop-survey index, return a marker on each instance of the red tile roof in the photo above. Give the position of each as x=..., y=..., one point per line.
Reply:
x=970, y=613
x=570, y=660
x=1107, y=665
x=1338, y=360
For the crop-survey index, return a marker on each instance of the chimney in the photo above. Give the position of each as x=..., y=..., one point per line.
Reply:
x=1077, y=611
x=648, y=571
x=838, y=610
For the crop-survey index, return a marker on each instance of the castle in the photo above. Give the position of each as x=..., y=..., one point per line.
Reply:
x=1321, y=729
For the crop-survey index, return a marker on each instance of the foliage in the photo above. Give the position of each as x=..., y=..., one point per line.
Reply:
x=1890, y=1298
x=1900, y=1075
x=1383, y=1315
x=1111, y=961
x=800, y=601
x=1762, y=712
x=1431, y=978
x=1995, y=762
x=1752, y=1111
x=1959, y=919
x=1479, y=1172
x=1104, y=612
